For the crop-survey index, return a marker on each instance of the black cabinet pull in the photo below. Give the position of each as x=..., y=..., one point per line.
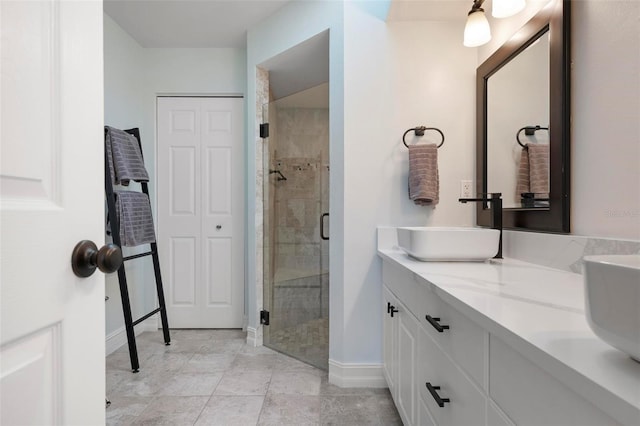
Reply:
x=393, y=310
x=434, y=322
x=432, y=390
x=388, y=307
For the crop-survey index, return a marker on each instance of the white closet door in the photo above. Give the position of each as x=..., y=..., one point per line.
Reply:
x=200, y=210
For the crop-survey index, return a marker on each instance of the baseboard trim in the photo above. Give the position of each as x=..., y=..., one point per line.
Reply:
x=351, y=375
x=118, y=337
x=254, y=337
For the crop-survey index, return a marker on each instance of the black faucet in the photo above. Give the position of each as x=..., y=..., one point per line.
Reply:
x=496, y=214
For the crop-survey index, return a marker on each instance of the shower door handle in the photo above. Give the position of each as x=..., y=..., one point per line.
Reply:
x=322, y=216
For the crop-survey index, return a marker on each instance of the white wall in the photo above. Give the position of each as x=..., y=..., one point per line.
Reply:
x=605, y=106
x=605, y=102
x=124, y=90
x=398, y=75
x=134, y=76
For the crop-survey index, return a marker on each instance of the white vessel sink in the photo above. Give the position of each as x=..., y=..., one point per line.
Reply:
x=438, y=244
x=612, y=297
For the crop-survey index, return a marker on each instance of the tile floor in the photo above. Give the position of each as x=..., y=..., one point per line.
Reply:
x=211, y=377
x=308, y=341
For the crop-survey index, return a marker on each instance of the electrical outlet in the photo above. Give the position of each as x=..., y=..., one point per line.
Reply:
x=466, y=188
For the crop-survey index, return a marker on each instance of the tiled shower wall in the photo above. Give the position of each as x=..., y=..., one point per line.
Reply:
x=298, y=257
x=262, y=98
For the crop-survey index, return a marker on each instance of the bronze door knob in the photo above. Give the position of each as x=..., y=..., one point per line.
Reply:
x=86, y=258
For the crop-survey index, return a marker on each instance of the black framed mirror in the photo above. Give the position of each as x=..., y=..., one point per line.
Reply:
x=523, y=125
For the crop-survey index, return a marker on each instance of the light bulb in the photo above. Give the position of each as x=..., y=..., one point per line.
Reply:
x=477, y=31
x=506, y=8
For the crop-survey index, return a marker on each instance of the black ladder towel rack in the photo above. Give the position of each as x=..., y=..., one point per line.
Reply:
x=122, y=276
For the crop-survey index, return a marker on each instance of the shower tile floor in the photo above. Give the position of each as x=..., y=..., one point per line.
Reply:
x=212, y=377
x=308, y=341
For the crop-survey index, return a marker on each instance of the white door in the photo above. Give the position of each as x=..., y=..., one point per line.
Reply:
x=51, y=197
x=201, y=210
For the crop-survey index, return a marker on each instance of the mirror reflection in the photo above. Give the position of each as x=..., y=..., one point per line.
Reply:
x=517, y=128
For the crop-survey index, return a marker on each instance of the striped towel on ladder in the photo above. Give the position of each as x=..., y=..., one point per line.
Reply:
x=134, y=215
x=125, y=158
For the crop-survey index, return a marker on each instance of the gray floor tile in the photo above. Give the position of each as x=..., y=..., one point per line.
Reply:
x=346, y=409
x=189, y=345
x=229, y=334
x=287, y=363
x=175, y=383
x=144, y=383
x=192, y=333
x=172, y=410
x=222, y=346
x=387, y=409
x=236, y=382
x=208, y=363
x=125, y=409
x=327, y=388
x=295, y=383
x=250, y=362
x=114, y=378
x=354, y=410
x=122, y=362
x=290, y=410
x=231, y=410
x=190, y=384
x=255, y=350
x=165, y=362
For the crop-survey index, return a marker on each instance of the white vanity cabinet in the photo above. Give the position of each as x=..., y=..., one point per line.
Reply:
x=401, y=349
x=530, y=395
x=434, y=357
x=473, y=377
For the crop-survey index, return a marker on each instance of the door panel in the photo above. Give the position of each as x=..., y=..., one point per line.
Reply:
x=182, y=171
x=183, y=273
x=200, y=197
x=218, y=181
x=219, y=272
x=51, y=197
x=24, y=78
x=223, y=213
x=31, y=378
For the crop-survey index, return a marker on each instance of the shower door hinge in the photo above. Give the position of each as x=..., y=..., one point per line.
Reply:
x=264, y=317
x=264, y=130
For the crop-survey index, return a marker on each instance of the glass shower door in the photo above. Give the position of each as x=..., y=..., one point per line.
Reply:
x=296, y=257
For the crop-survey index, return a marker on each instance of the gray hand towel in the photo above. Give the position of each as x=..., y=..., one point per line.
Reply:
x=522, y=184
x=539, y=168
x=125, y=158
x=533, y=172
x=134, y=215
x=424, y=184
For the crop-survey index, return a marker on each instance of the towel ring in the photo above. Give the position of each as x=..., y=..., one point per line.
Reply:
x=419, y=131
x=528, y=131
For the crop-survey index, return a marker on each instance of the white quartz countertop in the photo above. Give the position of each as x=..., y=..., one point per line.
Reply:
x=539, y=312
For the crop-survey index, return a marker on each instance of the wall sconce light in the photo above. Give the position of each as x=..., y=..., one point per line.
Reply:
x=477, y=31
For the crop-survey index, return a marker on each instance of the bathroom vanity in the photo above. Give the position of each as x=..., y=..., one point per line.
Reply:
x=498, y=343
